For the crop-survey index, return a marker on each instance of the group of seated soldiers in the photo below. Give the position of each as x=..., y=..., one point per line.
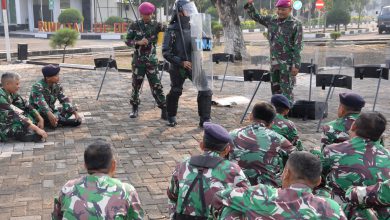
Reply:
x=260, y=171
x=25, y=121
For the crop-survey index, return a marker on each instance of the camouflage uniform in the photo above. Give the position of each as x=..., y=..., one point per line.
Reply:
x=15, y=115
x=225, y=174
x=357, y=162
x=145, y=60
x=287, y=128
x=266, y=202
x=375, y=196
x=43, y=98
x=285, y=39
x=97, y=197
x=337, y=131
x=261, y=153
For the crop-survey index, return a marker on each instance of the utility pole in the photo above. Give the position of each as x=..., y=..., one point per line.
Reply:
x=6, y=32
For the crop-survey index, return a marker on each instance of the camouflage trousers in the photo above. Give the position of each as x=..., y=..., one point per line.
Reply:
x=282, y=82
x=154, y=83
x=13, y=128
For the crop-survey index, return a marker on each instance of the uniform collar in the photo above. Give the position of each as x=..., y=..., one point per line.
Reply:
x=300, y=187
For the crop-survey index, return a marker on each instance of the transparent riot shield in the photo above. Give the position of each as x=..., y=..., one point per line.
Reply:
x=202, y=44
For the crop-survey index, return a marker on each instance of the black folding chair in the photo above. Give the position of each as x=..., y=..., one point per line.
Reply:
x=372, y=71
x=331, y=81
x=223, y=57
x=107, y=63
x=255, y=75
x=339, y=61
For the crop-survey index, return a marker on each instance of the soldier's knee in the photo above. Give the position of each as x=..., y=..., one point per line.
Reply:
x=205, y=93
x=176, y=91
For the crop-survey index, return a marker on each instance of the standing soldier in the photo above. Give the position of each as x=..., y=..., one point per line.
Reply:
x=285, y=39
x=349, y=109
x=16, y=116
x=45, y=93
x=294, y=200
x=258, y=150
x=177, y=49
x=195, y=181
x=142, y=35
x=281, y=124
x=361, y=161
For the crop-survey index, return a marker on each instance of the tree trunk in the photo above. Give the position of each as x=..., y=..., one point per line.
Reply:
x=63, y=54
x=234, y=40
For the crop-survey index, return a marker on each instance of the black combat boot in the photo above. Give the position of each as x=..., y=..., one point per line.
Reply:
x=69, y=122
x=172, y=121
x=204, y=106
x=164, y=114
x=29, y=136
x=134, y=113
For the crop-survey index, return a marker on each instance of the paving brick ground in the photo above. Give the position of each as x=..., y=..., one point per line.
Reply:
x=32, y=174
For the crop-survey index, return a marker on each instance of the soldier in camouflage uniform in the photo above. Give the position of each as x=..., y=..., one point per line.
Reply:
x=281, y=124
x=44, y=95
x=294, y=200
x=258, y=150
x=195, y=181
x=98, y=195
x=374, y=196
x=361, y=161
x=285, y=38
x=349, y=109
x=16, y=116
x=142, y=35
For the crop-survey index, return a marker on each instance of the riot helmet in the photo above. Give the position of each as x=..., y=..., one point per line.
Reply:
x=187, y=7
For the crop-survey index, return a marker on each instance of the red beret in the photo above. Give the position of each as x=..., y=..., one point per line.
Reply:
x=146, y=8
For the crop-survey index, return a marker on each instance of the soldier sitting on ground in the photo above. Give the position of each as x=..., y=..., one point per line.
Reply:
x=16, y=116
x=44, y=95
x=361, y=161
x=258, y=150
x=294, y=200
x=281, y=124
x=195, y=181
x=349, y=109
x=98, y=195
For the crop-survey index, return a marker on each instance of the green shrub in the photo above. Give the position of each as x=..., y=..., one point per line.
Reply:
x=114, y=19
x=335, y=35
x=70, y=15
x=64, y=38
x=249, y=24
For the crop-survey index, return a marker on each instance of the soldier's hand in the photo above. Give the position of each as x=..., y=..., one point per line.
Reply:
x=143, y=42
x=187, y=65
x=41, y=123
x=42, y=133
x=52, y=119
x=294, y=71
x=77, y=116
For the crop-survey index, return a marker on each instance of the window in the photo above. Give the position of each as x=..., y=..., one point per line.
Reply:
x=64, y=4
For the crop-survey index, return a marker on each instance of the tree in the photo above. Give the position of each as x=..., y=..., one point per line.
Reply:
x=64, y=38
x=70, y=15
x=234, y=40
x=338, y=16
x=359, y=6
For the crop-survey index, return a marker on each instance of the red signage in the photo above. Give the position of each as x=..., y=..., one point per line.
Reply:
x=320, y=4
x=4, y=4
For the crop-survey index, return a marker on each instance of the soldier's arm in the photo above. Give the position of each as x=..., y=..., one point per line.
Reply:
x=65, y=101
x=370, y=196
x=57, y=213
x=297, y=45
x=135, y=211
x=173, y=192
x=296, y=141
x=252, y=12
x=22, y=104
x=167, y=48
x=13, y=112
x=131, y=40
x=37, y=98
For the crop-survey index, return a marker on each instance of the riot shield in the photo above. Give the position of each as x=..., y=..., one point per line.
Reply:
x=202, y=44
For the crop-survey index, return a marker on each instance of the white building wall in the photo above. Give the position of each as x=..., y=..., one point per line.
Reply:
x=30, y=10
x=56, y=10
x=23, y=12
x=76, y=4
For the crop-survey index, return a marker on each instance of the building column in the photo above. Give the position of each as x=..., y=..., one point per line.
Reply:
x=30, y=15
x=18, y=10
x=56, y=11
